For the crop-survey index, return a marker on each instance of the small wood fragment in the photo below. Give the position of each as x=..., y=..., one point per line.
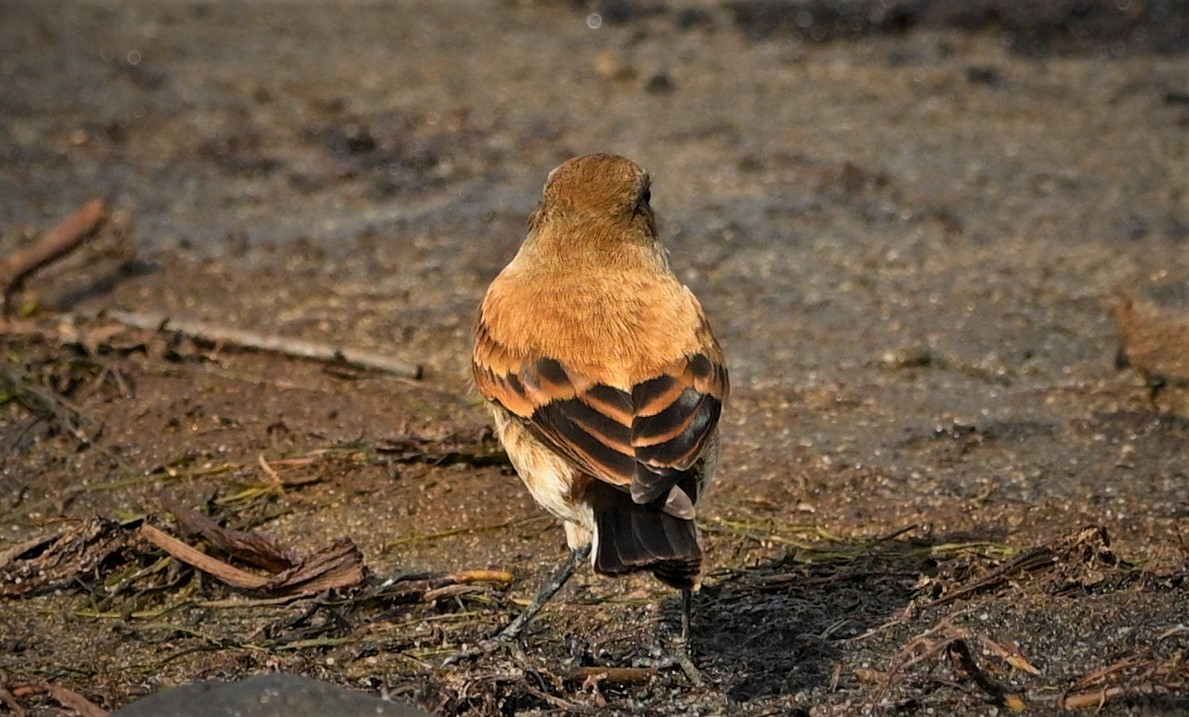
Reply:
x=227, y=573
x=64, y=238
x=252, y=548
x=337, y=566
x=481, y=576
x=9, y=700
x=614, y=675
x=1095, y=699
x=66, y=697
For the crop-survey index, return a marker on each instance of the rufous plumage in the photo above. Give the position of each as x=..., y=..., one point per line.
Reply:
x=603, y=375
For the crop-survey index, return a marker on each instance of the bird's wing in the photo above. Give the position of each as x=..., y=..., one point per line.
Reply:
x=645, y=440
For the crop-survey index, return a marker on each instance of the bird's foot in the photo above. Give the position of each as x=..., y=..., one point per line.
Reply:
x=683, y=657
x=676, y=654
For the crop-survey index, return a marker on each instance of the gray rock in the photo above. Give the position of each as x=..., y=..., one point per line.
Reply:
x=274, y=695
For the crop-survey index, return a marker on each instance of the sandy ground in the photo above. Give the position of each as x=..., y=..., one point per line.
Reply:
x=908, y=238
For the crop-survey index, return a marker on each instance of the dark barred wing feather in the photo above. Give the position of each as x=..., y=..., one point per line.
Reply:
x=649, y=439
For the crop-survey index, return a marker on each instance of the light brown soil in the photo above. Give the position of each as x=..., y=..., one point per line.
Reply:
x=908, y=244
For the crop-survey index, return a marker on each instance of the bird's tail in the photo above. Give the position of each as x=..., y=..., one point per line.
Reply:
x=631, y=537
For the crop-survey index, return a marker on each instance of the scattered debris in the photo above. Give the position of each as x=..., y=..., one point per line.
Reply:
x=1150, y=672
x=337, y=566
x=1073, y=552
x=967, y=670
x=64, y=696
x=60, y=560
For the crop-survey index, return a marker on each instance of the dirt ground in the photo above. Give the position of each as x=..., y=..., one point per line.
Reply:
x=940, y=494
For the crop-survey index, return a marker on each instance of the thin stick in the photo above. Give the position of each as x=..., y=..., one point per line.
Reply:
x=66, y=697
x=56, y=243
x=10, y=701
x=299, y=348
x=1095, y=699
x=614, y=675
x=552, y=699
x=227, y=573
x=72, y=700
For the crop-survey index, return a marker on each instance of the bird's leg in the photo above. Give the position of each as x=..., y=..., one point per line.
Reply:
x=683, y=656
x=555, y=582
x=506, y=638
x=687, y=607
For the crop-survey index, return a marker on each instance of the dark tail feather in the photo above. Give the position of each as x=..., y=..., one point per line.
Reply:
x=634, y=537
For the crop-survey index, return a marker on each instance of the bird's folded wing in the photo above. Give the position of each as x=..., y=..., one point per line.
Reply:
x=646, y=440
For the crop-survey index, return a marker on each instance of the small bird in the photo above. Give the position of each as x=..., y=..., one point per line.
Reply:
x=604, y=378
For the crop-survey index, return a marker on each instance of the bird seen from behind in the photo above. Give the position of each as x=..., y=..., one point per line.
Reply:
x=604, y=379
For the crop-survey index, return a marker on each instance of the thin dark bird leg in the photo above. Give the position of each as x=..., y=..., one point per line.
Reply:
x=687, y=607
x=548, y=590
x=683, y=656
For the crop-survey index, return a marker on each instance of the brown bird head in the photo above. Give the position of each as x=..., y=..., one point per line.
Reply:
x=596, y=192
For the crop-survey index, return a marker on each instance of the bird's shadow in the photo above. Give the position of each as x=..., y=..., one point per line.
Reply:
x=781, y=627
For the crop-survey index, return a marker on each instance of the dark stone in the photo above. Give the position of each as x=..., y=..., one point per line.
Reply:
x=274, y=695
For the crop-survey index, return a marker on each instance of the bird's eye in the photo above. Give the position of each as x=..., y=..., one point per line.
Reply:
x=646, y=197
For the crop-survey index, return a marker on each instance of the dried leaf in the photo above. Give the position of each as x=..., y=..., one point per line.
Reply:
x=335, y=567
x=252, y=548
x=59, y=560
x=338, y=566
x=227, y=573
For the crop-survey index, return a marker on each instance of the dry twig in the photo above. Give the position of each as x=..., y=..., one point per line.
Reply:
x=9, y=700
x=252, y=548
x=1042, y=557
x=298, y=348
x=613, y=675
x=337, y=566
x=64, y=238
x=966, y=669
x=66, y=697
x=227, y=573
